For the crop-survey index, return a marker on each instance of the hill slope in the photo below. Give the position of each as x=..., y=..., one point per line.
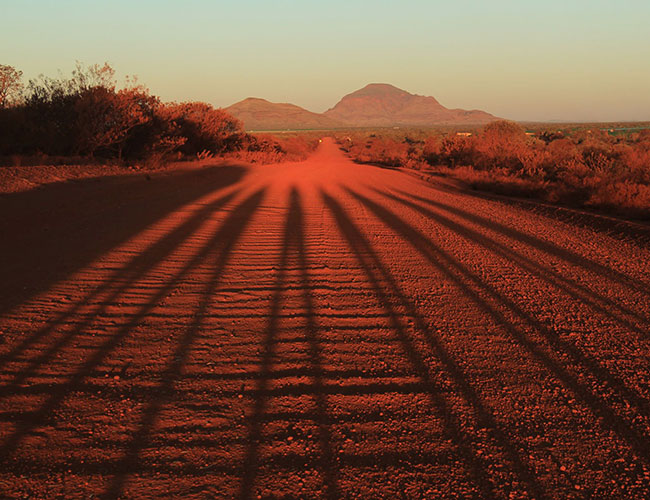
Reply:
x=260, y=114
x=380, y=104
x=375, y=105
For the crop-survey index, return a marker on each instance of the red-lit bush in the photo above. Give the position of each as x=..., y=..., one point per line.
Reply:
x=582, y=167
x=106, y=119
x=88, y=115
x=456, y=151
x=203, y=127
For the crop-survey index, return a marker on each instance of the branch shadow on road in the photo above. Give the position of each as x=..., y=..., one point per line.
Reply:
x=54, y=230
x=540, y=244
x=600, y=304
x=634, y=230
x=118, y=284
x=293, y=255
x=216, y=254
x=603, y=305
x=387, y=290
x=75, y=382
x=469, y=283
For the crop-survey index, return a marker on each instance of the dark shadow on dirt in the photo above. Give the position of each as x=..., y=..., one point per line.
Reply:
x=393, y=299
x=470, y=283
x=216, y=253
x=575, y=290
x=76, y=381
x=293, y=256
x=385, y=166
x=579, y=357
x=540, y=244
x=634, y=230
x=121, y=281
x=52, y=231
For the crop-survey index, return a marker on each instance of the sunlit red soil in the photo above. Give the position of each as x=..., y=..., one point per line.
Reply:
x=316, y=329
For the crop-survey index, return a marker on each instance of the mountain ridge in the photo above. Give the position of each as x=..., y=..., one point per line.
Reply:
x=376, y=104
x=382, y=104
x=260, y=114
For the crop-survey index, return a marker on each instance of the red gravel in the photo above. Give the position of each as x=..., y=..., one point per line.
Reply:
x=316, y=329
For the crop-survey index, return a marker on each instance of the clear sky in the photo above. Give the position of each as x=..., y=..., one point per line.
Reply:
x=521, y=59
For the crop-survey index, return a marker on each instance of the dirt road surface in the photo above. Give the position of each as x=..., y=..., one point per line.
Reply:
x=316, y=330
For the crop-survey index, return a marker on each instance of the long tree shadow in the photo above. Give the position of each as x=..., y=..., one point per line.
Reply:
x=117, y=284
x=52, y=231
x=76, y=379
x=217, y=254
x=462, y=277
x=540, y=244
x=297, y=242
x=293, y=251
x=637, y=230
x=387, y=290
x=578, y=356
x=596, y=369
x=603, y=305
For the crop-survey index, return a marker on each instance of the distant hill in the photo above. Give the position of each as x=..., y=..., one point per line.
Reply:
x=260, y=114
x=381, y=104
x=375, y=105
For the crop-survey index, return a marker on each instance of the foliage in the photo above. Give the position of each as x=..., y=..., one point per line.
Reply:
x=106, y=119
x=88, y=115
x=203, y=127
x=581, y=166
x=274, y=148
x=11, y=85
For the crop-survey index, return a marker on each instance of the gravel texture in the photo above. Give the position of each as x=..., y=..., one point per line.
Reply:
x=316, y=330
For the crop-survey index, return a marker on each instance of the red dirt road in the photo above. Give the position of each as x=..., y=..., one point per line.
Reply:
x=317, y=330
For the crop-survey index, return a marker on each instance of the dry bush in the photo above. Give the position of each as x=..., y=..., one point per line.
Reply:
x=583, y=167
x=106, y=117
x=396, y=150
x=296, y=146
x=11, y=85
x=384, y=151
x=458, y=151
x=501, y=181
x=432, y=150
x=628, y=198
x=268, y=148
x=88, y=115
x=503, y=144
x=202, y=127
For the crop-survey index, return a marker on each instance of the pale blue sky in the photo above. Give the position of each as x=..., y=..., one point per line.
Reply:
x=536, y=60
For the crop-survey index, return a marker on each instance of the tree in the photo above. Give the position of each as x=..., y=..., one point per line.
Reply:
x=93, y=76
x=106, y=118
x=11, y=85
x=88, y=114
x=502, y=144
x=203, y=127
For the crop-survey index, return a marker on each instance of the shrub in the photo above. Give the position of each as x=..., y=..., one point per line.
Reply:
x=581, y=167
x=458, y=151
x=107, y=118
x=87, y=114
x=203, y=127
x=502, y=144
x=11, y=86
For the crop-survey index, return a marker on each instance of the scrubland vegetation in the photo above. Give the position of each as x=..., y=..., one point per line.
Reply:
x=583, y=167
x=87, y=117
x=269, y=148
